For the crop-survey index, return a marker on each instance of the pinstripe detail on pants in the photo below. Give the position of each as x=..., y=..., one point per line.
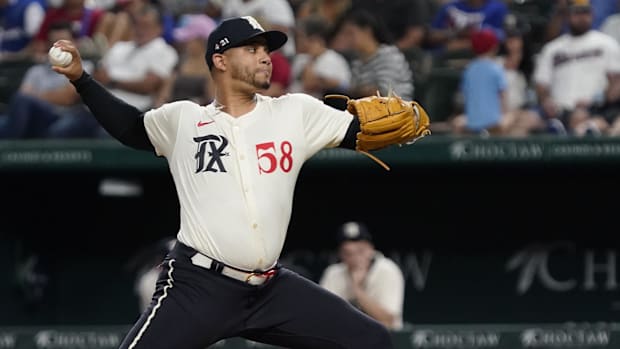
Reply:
x=170, y=284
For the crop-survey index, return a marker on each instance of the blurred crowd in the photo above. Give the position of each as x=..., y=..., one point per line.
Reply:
x=480, y=67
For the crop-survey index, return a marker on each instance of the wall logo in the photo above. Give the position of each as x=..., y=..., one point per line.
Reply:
x=564, y=338
x=509, y=150
x=455, y=339
x=534, y=263
x=415, y=267
x=51, y=339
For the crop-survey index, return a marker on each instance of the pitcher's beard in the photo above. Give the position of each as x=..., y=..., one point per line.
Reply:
x=250, y=78
x=263, y=85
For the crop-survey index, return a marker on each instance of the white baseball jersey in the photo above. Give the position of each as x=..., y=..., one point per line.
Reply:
x=575, y=68
x=385, y=283
x=235, y=176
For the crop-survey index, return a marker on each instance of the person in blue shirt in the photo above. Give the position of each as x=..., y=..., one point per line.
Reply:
x=19, y=23
x=455, y=21
x=483, y=85
x=484, y=88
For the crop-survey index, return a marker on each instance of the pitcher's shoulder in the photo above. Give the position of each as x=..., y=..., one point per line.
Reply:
x=293, y=98
x=176, y=108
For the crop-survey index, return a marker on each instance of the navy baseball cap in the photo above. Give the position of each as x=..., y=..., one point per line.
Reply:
x=353, y=231
x=233, y=32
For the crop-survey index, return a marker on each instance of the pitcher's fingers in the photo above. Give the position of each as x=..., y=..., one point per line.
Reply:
x=68, y=46
x=64, y=43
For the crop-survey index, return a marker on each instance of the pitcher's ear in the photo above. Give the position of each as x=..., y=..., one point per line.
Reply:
x=219, y=61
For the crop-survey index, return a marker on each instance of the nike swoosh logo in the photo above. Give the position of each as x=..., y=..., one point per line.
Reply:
x=204, y=123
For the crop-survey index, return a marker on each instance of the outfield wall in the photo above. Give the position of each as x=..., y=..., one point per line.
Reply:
x=522, y=336
x=486, y=231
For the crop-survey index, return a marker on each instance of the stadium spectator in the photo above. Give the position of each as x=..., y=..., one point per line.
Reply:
x=190, y=79
x=453, y=24
x=179, y=8
x=277, y=13
x=135, y=70
x=484, y=87
x=365, y=277
x=46, y=104
x=378, y=66
x=406, y=20
x=20, y=22
x=317, y=69
x=121, y=25
x=558, y=21
x=330, y=10
x=515, y=57
x=281, y=77
x=88, y=24
x=213, y=9
x=577, y=75
x=611, y=24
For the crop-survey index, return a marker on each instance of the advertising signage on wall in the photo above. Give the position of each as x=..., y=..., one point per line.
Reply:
x=553, y=281
x=453, y=336
x=438, y=149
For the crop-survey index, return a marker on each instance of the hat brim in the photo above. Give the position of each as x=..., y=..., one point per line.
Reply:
x=275, y=39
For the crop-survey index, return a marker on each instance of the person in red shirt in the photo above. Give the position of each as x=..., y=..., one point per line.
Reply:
x=281, y=75
x=86, y=23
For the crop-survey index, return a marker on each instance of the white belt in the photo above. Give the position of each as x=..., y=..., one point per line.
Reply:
x=252, y=278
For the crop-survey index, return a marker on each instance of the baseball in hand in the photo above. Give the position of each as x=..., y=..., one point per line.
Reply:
x=59, y=57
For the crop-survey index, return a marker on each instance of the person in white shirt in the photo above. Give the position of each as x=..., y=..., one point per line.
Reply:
x=365, y=277
x=578, y=74
x=235, y=163
x=277, y=13
x=135, y=71
x=317, y=69
x=378, y=64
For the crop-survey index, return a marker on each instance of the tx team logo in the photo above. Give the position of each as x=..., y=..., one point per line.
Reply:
x=213, y=147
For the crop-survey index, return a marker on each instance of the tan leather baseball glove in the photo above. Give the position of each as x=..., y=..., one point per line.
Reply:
x=386, y=121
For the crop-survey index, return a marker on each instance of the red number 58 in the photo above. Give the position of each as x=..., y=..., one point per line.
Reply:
x=268, y=160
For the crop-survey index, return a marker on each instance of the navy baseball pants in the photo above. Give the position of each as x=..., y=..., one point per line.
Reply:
x=194, y=307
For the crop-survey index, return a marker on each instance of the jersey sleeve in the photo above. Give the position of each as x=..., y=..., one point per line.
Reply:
x=324, y=126
x=161, y=126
